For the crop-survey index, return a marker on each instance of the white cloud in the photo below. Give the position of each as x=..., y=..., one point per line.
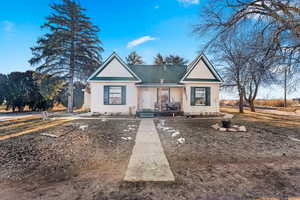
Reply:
x=188, y=2
x=156, y=7
x=8, y=26
x=140, y=40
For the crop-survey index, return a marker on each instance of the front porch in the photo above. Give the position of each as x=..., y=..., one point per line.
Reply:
x=160, y=101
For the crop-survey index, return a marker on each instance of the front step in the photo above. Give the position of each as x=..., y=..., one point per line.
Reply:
x=146, y=115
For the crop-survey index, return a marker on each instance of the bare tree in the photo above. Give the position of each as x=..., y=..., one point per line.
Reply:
x=233, y=56
x=261, y=66
x=280, y=16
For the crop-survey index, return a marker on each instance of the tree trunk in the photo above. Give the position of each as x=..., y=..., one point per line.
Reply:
x=71, y=78
x=70, y=94
x=241, y=102
x=252, y=106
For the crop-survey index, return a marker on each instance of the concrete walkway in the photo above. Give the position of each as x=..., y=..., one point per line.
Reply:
x=148, y=161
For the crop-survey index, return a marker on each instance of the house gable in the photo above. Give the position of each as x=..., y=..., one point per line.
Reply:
x=201, y=70
x=114, y=69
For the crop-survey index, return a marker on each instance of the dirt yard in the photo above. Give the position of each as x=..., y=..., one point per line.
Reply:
x=80, y=164
x=211, y=165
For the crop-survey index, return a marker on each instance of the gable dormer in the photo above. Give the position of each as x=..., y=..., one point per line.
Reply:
x=114, y=69
x=201, y=70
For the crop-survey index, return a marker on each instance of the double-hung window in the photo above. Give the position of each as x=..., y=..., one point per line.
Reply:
x=114, y=95
x=200, y=96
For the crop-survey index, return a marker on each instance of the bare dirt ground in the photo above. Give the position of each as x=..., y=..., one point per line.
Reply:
x=78, y=165
x=212, y=165
x=263, y=162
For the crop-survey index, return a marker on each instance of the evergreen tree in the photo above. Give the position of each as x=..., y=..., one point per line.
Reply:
x=3, y=86
x=20, y=90
x=71, y=49
x=175, y=60
x=134, y=59
x=159, y=59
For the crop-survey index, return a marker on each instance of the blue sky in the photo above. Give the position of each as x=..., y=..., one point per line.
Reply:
x=146, y=26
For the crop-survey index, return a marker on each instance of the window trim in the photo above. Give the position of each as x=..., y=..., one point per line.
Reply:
x=123, y=94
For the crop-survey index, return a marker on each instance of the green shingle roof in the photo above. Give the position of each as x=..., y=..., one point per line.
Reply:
x=154, y=73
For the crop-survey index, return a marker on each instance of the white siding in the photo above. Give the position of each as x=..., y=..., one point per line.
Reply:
x=196, y=110
x=201, y=71
x=97, y=99
x=114, y=69
x=87, y=100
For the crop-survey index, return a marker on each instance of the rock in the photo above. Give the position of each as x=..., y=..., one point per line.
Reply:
x=49, y=135
x=126, y=138
x=223, y=129
x=232, y=130
x=242, y=128
x=175, y=134
x=83, y=127
x=180, y=140
x=235, y=126
x=216, y=126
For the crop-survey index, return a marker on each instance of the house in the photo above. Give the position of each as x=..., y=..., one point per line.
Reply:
x=116, y=88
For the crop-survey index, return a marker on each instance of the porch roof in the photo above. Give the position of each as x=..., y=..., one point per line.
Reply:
x=154, y=74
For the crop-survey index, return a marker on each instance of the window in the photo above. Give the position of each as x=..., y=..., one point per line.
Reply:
x=114, y=95
x=200, y=96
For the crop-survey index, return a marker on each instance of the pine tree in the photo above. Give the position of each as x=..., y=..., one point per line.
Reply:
x=71, y=49
x=175, y=60
x=134, y=59
x=159, y=60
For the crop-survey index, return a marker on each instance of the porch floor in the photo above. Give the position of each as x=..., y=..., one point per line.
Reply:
x=155, y=113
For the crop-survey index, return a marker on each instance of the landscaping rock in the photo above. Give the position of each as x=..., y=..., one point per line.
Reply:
x=175, y=134
x=222, y=129
x=242, y=129
x=180, y=140
x=232, y=130
x=83, y=127
x=216, y=126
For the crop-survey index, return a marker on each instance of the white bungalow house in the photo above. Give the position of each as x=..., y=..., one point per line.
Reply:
x=116, y=88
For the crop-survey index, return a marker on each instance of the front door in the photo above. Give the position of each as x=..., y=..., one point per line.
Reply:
x=147, y=102
x=164, y=98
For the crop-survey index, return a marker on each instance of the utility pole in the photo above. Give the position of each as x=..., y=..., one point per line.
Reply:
x=285, y=86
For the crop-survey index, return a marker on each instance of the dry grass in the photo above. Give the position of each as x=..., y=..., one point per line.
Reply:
x=37, y=127
x=262, y=102
x=275, y=120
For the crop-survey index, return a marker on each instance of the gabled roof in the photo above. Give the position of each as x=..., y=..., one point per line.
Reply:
x=157, y=74
x=95, y=77
x=151, y=74
x=210, y=67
